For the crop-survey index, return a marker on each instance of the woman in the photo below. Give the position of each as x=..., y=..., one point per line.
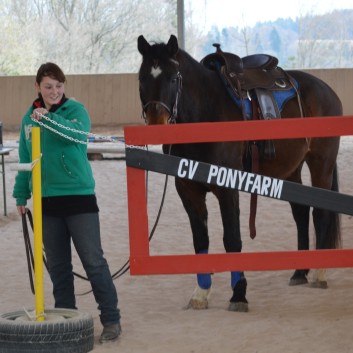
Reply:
x=69, y=204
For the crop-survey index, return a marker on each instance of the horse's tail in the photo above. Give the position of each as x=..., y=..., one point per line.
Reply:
x=334, y=227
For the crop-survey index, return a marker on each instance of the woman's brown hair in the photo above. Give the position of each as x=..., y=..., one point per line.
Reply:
x=52, y=70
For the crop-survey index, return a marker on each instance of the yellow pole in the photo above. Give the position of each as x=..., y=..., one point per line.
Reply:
x=37, y=224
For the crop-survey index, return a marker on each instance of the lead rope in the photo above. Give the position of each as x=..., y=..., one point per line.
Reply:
x=122, y=270
x=29, y=252
x=126, y=266
x=28, y=246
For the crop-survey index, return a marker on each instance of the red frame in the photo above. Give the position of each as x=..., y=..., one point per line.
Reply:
x=142, y=263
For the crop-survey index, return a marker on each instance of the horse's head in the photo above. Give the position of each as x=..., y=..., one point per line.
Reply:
x=160, y=80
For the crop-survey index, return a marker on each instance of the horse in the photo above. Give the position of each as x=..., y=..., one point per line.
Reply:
x=176, y=88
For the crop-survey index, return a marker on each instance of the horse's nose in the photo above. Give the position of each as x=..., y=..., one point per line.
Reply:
x=158, y=109
x=157, y=113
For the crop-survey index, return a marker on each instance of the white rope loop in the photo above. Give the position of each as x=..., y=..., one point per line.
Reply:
x=24, y=167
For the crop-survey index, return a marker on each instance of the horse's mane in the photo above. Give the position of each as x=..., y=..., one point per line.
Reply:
x=186, y=56
x=187, y=62
x=159, y=51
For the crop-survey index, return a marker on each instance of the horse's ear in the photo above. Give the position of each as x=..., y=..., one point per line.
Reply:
x=142, y=45
x=172, y=45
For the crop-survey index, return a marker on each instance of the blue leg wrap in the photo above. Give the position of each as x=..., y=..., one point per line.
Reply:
x=235, y=277
x=204, y=279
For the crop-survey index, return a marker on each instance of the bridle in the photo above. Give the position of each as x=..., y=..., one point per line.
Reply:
x=173, y=108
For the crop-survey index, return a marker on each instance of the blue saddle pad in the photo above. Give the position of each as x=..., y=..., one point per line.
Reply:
x=281, y=98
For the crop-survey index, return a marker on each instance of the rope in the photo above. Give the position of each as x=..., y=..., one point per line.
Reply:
x=28, y=246
x=126, y=266
x=29, y=252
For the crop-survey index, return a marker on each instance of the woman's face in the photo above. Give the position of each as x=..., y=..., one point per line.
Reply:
x=51, y=90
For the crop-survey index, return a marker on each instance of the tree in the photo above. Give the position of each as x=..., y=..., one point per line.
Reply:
x=99, y=36
x=83, y=36
x=275, y=41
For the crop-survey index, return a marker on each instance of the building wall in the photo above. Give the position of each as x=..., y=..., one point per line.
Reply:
x=113, y=99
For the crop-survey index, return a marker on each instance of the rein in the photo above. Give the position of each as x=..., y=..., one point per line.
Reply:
x=29, y=251
x=30, y=257
x=28, y=246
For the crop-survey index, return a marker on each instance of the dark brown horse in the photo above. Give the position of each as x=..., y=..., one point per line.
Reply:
x=174, y=86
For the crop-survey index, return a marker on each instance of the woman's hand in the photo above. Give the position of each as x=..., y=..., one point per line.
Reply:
x=21, y=210
x=38, y=112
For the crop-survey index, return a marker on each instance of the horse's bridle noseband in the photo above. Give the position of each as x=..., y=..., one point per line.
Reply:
x=173, y=110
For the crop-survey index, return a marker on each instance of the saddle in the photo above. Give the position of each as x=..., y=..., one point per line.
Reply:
x=258, y=71
x=256, y=84
x=260, y=88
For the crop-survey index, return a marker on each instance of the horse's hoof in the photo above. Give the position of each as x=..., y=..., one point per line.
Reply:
x=299, y=277
x=319, y=284
x=298, y=281
x=238, y=301
x=199, y=299
x=198, y=304
x=239, y=307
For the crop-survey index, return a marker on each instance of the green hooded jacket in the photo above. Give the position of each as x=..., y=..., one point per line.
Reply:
x=65, y=169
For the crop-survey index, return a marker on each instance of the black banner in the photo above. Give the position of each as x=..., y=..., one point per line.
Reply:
x=243, y=181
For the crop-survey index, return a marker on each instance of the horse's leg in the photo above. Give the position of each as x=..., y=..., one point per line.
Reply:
x=326, y=223
x=322, y=220
x=229, y=206
x=193, y=197
x=301, y=215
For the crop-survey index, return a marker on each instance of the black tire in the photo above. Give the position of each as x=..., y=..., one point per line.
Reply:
x=63, y=331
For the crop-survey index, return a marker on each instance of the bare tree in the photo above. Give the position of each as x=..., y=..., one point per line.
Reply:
x=83, y=36
x=99, y=36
